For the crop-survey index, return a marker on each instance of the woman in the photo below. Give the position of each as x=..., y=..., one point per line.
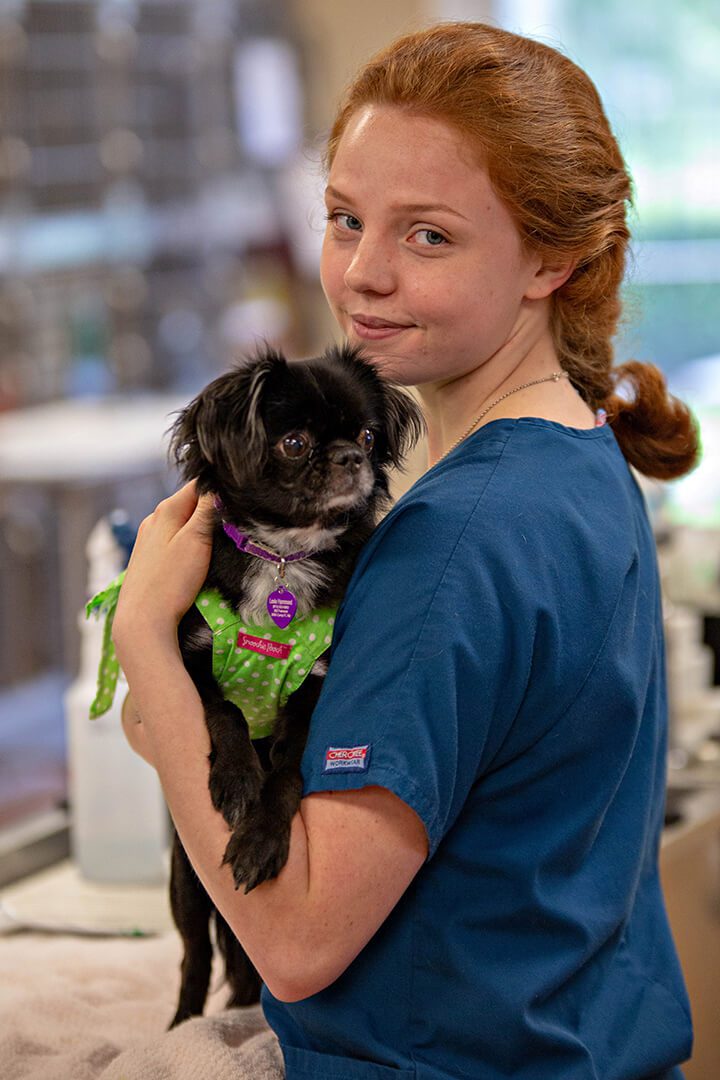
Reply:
x=481, y=897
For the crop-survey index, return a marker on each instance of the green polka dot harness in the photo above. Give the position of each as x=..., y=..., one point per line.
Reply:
x=257, y=667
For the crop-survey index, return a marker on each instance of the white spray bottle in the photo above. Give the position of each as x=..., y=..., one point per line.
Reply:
x=119, y=823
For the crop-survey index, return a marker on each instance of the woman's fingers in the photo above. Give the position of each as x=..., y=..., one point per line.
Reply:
x=203, y=516
x=172, y=514
x=168, y=565
x=178, y=508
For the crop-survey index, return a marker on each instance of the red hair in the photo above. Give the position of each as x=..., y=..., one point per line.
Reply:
x=539, y=129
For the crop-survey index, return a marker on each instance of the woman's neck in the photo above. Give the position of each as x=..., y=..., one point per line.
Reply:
x=452, y=405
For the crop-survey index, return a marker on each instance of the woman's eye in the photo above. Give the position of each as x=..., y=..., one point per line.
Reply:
x=366, y=440
x=294, y=445
x=345, y=221
x=432, y=238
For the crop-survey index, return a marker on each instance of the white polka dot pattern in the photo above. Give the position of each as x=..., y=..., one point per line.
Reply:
x=259, y=683
x=285, y=661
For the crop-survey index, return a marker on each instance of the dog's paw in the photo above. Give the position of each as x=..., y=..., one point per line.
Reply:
x=257, y=851
x=233, y=794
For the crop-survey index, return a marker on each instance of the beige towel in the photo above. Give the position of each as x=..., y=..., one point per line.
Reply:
x=79, y=1009
x=234, y=1045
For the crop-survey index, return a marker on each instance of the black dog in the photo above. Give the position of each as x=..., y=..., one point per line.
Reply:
x=296, y=455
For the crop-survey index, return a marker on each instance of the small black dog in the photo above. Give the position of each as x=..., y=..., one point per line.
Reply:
x=296, y=455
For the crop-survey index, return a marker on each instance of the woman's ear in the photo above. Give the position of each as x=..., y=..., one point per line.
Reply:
x=550, y=275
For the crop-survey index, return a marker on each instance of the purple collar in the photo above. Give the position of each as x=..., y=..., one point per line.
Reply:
x=243, y=543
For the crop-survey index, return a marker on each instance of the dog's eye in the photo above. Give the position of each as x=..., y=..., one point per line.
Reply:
x=366, y=440
x=295, y=445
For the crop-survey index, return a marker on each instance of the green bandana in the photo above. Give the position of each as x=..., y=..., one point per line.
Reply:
x=257, y=668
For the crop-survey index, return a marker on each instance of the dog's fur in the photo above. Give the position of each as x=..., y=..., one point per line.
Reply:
x=324, y=502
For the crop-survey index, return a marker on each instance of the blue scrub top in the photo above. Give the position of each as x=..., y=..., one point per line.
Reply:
x=498, y=664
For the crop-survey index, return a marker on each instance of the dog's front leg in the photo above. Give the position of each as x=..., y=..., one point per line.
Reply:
x=259, y=846
x=236, y=775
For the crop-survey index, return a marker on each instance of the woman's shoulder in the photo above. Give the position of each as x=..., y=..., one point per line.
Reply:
x=514, y=463
x=520, y=491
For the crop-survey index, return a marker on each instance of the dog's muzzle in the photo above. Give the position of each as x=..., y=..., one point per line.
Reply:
x=348, y=457
x=350, y=478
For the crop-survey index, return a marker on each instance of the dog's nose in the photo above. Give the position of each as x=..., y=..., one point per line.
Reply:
x=347, y=457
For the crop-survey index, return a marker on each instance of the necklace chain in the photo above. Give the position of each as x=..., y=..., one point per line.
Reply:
x=555, y=377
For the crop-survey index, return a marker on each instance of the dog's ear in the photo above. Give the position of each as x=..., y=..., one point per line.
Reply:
x=222, y=428
x=404, y=422
x=190, y=447
x=245, y=441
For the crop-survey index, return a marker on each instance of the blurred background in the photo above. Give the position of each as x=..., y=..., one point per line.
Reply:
x=160, y=213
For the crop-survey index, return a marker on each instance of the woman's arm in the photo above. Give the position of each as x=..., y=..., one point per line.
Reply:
x=352, y=854
x=135, y=730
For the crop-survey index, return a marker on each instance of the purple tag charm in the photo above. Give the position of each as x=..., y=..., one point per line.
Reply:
x=282, y=605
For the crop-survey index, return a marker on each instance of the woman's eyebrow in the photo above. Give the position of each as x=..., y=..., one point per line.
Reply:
x=413, y=208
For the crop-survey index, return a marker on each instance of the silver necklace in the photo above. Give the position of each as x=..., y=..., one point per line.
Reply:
x=555, y=377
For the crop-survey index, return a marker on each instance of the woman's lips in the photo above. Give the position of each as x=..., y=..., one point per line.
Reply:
x=373, y=329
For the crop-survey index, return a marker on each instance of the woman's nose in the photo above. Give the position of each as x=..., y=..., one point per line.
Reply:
x=371, y=268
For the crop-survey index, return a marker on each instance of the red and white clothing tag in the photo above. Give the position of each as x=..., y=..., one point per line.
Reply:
x=274, y=649
x=347, y=758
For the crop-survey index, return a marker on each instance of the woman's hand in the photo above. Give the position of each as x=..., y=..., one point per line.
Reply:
x=167, y=568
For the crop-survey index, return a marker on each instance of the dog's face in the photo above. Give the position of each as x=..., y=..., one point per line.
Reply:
x=296, y=444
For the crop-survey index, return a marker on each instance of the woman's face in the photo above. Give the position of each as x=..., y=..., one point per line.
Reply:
x=421, y=263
